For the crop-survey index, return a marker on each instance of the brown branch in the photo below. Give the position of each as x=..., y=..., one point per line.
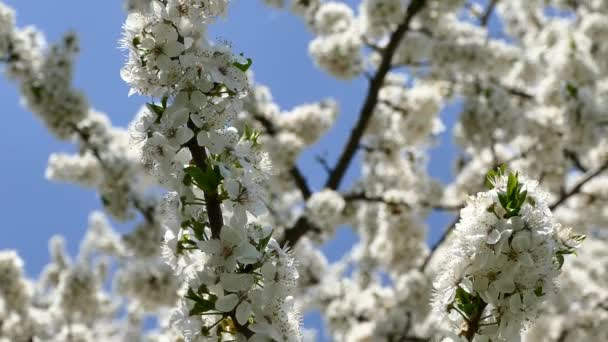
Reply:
x=146, y=211
x=436, y=246
x=575, y=160
x=485, y=17
x=357, y=196
x=212, y=200
x=578, y=186
x=302, y=225
x=295, y=172
x=333, y=182
x=322, y=160
x=394, y=107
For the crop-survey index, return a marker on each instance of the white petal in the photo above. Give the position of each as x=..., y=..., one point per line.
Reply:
x=227, y=303
x=198, y=98
x=173, y=49
x=243, y=311
x=230, y=236
x=247, y=254
x=493, y=237
x=232, y=187
x=526, y=259
x=515, y=303
x=234, y=282
x=183, y=135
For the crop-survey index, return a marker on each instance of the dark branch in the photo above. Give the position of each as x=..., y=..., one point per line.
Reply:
x=212, y=200
x=436, y=246
x=575, y=160
x=578, y=186
x=485, y=17
x=300, y=181
x=324, y=164
x=302, y=225
x=394, y=107
x=295, y=172
x=333, y=182
x=357, y=196
x=147, y=211
x=293, y=234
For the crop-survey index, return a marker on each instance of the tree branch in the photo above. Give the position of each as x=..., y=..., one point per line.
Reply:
x=302, y=225
x=348, y=152
x=575, y=160
x=293, y=234
x=435, y=247
x=146, y=211
x=295, y=172
x=212, y=201
x=485, y=17
x=578, y=186
x=358, y=196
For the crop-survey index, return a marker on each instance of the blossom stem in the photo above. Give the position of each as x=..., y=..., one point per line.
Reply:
x=212, y=200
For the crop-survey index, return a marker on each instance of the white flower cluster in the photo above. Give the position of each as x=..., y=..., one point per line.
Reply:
x=337, y=48
x=67, y=298
x=531, y=94
x=45, y=79
x=506, y=254
x=237, y=280
x=379, y=16
x=325, y=208
x=578, y=311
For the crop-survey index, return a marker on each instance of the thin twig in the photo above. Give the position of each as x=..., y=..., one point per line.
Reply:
x=436, y=246
x=295, y=172
x=485, y=17
x=324, y=164
x=348, y=152
x=578, y=186
x=146, y=211
x=575, y=160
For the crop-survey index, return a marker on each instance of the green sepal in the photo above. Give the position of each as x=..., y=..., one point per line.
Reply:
x=207, y=180
x=243, y=67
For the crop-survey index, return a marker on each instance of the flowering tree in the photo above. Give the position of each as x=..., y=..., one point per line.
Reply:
x=227, y=229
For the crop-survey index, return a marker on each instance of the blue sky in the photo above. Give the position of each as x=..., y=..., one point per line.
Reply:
x=34, y=209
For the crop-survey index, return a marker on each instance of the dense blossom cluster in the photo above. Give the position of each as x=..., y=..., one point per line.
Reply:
x=507, y=253
x=228, y=229
x=237, y=280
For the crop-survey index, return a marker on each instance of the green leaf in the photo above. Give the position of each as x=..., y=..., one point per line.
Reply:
x=572, y=89
x=187, y=181
x=192, y=295
x=264, y=242
x=560, y=260
x=243, y=67
x=539, y=291
x=522, y=198
x=490, y=179
x=511, y=184
x=155, y=108
x=105, y=201
x=202, y=306
x=207, y=180
x=502, y=168
x=199, y=230
x=502, y=198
